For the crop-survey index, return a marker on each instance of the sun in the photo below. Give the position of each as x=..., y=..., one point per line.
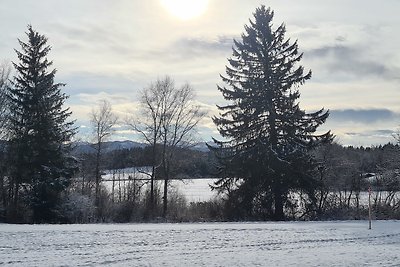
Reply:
x=185, y=9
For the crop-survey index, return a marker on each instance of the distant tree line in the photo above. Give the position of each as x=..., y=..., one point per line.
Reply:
x=341, y=181
x=346, y=174
x=272, y=162
x=192, y=163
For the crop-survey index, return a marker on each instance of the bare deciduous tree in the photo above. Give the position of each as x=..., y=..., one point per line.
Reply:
x=167, y=118
x=148, y=124
x=103, y=120
x=180, y=119
x=5, y=70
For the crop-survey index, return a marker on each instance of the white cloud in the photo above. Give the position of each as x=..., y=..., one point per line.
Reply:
x=110, y=50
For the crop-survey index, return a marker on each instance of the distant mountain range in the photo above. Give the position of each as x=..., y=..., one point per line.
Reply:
x=88, y=148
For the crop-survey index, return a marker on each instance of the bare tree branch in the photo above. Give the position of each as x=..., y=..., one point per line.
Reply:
x=5, y=70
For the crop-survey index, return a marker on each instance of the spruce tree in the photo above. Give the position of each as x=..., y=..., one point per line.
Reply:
x=268, y=135
x=40, y=130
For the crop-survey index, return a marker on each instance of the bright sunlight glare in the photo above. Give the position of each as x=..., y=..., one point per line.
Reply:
x=185, y=9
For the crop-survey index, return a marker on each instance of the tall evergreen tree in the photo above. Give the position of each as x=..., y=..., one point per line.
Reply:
x=268, y=135
x=40, y=132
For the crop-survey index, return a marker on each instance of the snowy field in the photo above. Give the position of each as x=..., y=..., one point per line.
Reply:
x=209, y=244
x=194, y=190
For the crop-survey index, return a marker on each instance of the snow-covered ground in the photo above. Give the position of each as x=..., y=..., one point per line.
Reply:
x=194, y=190
x=208, y=244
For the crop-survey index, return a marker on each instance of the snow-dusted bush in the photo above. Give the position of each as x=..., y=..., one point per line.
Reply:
x=78, y=208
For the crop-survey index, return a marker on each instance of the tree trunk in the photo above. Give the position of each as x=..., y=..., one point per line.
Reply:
x=113, y=187
x=152, y=178
x=277, y=185
x=83, y=184
x=279, y=214
x=165, y=164
x=98, y=179
x=97, y=173
x=13, y=213
x=2, y=190
x=165, y=198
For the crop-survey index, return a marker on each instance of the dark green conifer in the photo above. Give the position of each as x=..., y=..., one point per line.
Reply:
x=268, y=135
x=40, y=130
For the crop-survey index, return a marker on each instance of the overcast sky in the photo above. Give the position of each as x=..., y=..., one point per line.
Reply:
x=111, y=49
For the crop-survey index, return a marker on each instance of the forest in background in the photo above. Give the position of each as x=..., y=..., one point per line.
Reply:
x=344, y=176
